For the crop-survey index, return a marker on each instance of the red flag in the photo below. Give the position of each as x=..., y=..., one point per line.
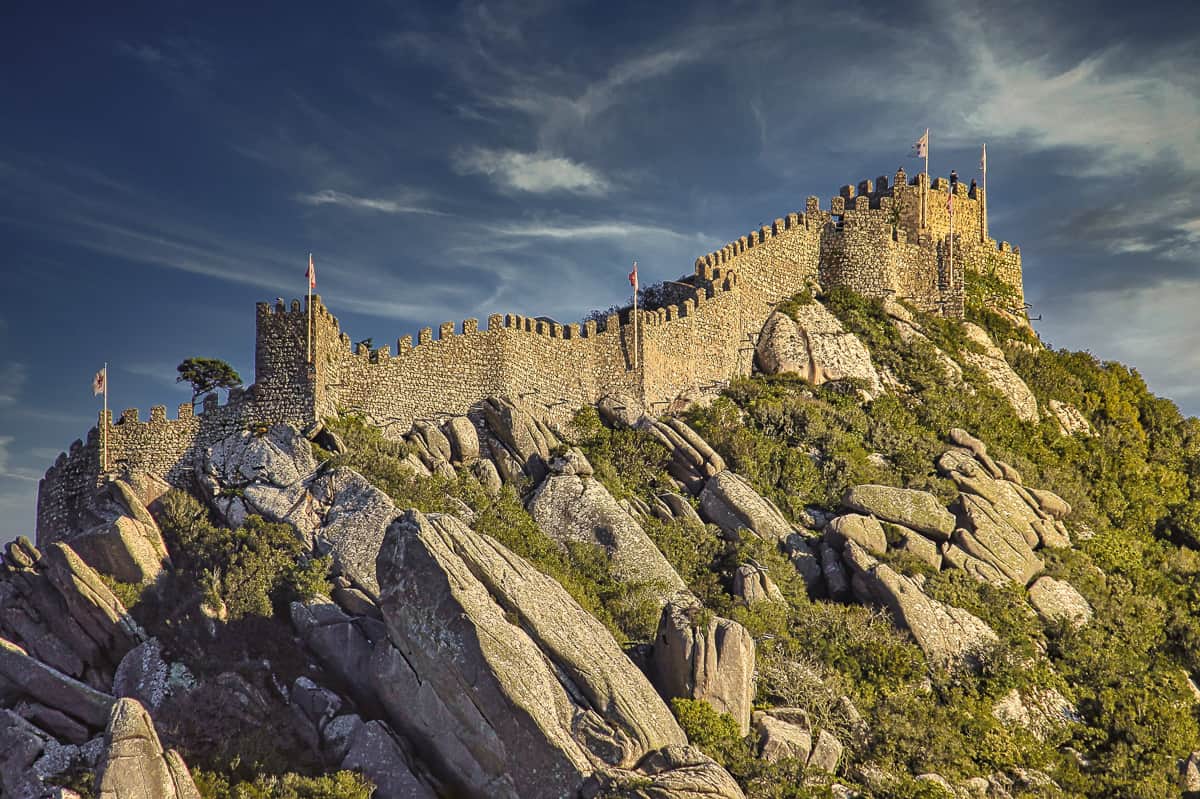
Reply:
x=98, y=382
x=311, y=274
x=633, y=276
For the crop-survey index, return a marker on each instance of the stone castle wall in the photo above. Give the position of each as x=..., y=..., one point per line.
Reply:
x=869, y=239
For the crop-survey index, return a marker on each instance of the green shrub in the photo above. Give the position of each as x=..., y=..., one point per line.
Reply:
x=129, y=594
x=339, y=785
x=249, y=570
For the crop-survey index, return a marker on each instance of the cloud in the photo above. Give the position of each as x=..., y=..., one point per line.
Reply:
x=338, y=198
x=1150, y=327
x=174, y=59
x=12, y=382
x=587, y=230
x=10, y=472
x=537, y=172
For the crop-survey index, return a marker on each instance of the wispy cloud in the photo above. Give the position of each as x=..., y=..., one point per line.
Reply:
x=172, y=59
x=6, y=468
x=344, y=200
x=535, y=172
x=12, y=382
x=588, y=230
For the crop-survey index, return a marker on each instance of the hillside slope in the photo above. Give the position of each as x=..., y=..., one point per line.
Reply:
x=910, y=557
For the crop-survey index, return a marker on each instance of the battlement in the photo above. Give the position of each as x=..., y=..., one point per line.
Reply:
x=886, y=237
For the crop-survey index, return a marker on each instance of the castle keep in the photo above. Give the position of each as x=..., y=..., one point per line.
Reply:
x=882, y=238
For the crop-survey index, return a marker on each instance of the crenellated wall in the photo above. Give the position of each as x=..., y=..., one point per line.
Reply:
x=878, y=238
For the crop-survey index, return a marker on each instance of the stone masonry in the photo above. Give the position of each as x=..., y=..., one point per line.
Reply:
x=870, y=239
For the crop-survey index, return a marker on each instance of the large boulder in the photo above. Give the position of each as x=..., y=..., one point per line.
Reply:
x=127, y=544
x=1070, y=419
x=527, y=438
x=1058, y=601
x=571, y=506
x=729, y=502
x=779, y=739
x=698, y=655
x=512, y=688
x=917, y=510
x=134, y=765
x=866, y=531
x=946, y=634
x=56, y=608
x=1041, y=711
x=1012, y=503
x=463, y=438
x=752, y=584
x=673, y=772
x=994, y=541
x=815, y=346
x=693, y=461
x=144, y=675
x=374, y=751
x=990, y=360
x=248, y=473
x=358, y=515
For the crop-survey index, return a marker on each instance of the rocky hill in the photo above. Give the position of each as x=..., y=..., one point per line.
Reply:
x=910, y=556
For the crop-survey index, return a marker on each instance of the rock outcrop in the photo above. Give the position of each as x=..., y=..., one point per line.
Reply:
x=752, y=584
x=126, y=543
x=916, y=510
x=1058, y=601
x=56, y=608
x=673, y=772
x=815, y=346
x=266, y=474
x=520, y=442
x=701, y=656
x=134, y=765
x=511, y=688
x=729, y=502
x=570, y=505
x=866, y=531
x=995, y=368
x=946, y=634
x=693, y=461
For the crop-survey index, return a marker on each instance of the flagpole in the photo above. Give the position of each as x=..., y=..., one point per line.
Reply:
x=308, y=280
x=983, y=233
x=950, y=267
x=104, y=429
x=984, y=165
x=635, y=316
x=925, y=191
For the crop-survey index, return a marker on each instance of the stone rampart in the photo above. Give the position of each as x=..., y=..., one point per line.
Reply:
x=881, y=238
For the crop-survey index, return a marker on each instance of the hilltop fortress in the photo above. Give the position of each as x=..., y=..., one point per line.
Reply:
x=871, y=238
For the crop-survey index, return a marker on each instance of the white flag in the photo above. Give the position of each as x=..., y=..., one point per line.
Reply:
x=98, y=382
x=921, y=148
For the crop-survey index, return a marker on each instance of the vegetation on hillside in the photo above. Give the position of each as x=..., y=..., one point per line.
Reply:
x=1134, y=485
x=1135, y=489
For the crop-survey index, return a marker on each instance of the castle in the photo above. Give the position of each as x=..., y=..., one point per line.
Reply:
x=883, y=238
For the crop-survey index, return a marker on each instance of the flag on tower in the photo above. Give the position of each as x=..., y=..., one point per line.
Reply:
x=311, y=274
x=983, y=160
x=98, y=382
x=921, y=148
x=633, y=279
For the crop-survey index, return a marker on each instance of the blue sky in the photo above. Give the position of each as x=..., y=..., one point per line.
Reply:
x=166, y=165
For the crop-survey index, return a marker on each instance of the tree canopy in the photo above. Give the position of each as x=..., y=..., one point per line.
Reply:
x=207, y=374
